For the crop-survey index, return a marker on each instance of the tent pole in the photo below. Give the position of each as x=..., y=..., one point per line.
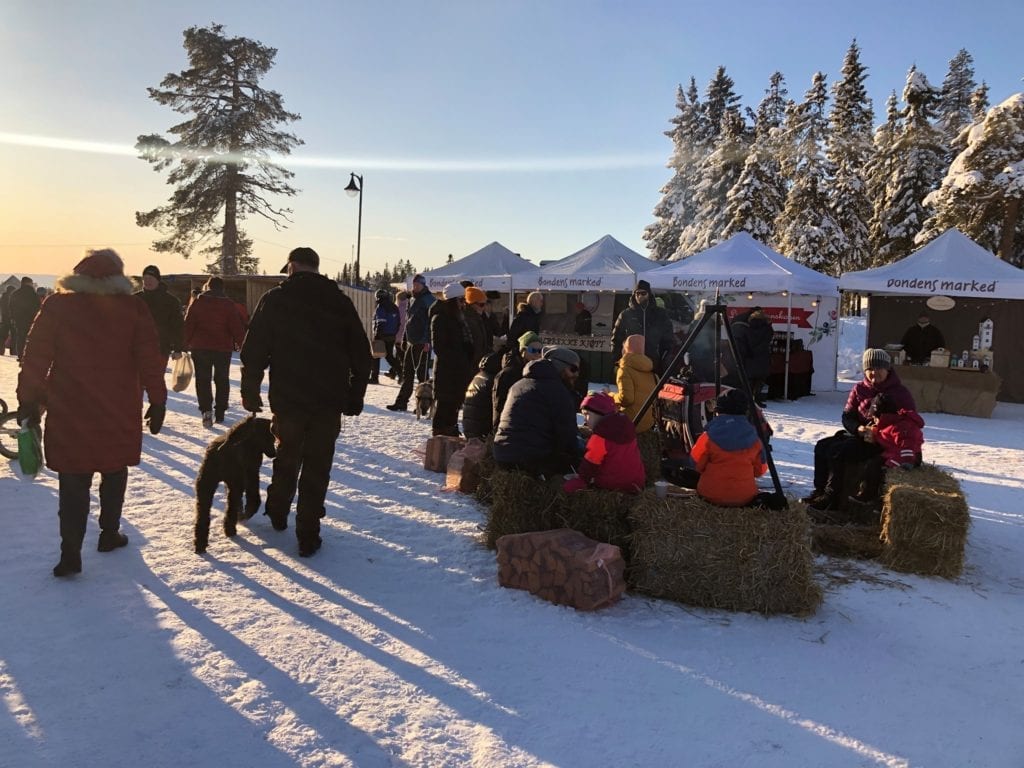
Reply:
x=789, y=334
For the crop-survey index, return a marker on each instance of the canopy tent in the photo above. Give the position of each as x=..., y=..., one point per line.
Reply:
x=491, y=268
x=958, y=283
x=747, y=273
x=604, y=265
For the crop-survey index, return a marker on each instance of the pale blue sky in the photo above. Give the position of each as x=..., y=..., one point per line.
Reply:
x=537, y=124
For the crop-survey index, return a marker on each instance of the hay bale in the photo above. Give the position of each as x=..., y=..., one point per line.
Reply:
x=925, y=519
x=651, y=452
x=847, y=540
x=520, y=503
x=484, y=492
x=739, y=559
x=598, y=514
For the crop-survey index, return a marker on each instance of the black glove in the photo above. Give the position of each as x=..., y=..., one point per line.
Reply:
x=252, y=402
x=31, y=412
x=354, y=406
x=154, y=418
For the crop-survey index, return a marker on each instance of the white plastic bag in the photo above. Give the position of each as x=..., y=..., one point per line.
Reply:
x=181, y=372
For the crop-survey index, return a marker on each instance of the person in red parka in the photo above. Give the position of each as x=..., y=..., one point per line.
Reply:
x=213, y=330
x=729, y=454
x=612, y=457
x=92, y=349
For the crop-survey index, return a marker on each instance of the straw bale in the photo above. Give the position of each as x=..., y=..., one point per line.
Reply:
x=520, y=503
x=484, y=492
x=649, y=443
x=925, y=520
x=847, y=540
x=740, y=559
x=598, y=514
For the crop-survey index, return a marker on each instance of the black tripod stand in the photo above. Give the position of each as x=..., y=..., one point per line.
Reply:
x=721, y=320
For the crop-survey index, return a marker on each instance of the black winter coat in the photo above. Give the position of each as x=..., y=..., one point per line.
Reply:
x=525, y=320
x=24, y=306
x=539, y=419
x=166, y=312
x=511, y=372
x=753, y=337
x=647, y=320
x=453, y=347
x=310, y=335
x=417, y=322
x=477, y=413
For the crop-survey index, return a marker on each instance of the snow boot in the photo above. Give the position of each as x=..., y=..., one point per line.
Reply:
x=111, y=540
x=70, y=564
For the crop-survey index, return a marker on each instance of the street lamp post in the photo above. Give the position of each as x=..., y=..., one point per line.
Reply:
x=355, y=187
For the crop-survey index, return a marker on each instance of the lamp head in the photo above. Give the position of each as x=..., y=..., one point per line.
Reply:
x=353, y=187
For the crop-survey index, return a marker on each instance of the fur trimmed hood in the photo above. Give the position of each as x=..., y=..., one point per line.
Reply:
x=111, y=285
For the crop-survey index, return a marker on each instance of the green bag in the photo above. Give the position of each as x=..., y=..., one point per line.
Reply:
x=30, y=454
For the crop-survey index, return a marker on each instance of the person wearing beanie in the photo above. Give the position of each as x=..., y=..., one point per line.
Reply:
x=474, y=306
x=213, y=330
x=416, y=338
x=23, y=305
x=527, y=316
x=166, y=312
x=537, y=429
x=635, y=380
x=92, y=351
x=921, y=339
x=611, y=459
x=643, y=316
x=477, y=406
x=385, y=328
x=729, y=454
x=452, y=342
x=528, y=349
x=856, y=443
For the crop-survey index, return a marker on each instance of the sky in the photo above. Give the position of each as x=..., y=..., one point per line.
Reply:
x=536, y=124
x=395, y=647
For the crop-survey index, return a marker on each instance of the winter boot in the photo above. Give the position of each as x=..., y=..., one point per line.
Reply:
x=207, y=419
x=219, y=416
x=70, y=564
x=308, y=545
x=111, y=540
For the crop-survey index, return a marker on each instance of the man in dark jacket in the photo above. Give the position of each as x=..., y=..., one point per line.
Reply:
x=452, y=343
x=417, y=342
x=310, y=335
x=213, y=330
x=753, y=333
x=24, y=305
x=537, y=432
x=527, y=317
x=921, y=339
x=5, y=321
x=166, y=311
x=385, y=328
x=527, y=349
x=477, y=407
x=643, y=316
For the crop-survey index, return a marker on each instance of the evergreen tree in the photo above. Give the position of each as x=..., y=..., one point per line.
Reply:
x=806, y=229
x=222, y=166
x=954, y=108
x=919, y=155
x=719, y=99
x=979, y=102
x=849, y=150
x=757, y=198
x=676, y=209
x=981, y=193
x=879, y=170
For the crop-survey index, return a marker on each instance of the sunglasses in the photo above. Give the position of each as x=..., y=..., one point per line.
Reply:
x=535, y=350
x=640, y=293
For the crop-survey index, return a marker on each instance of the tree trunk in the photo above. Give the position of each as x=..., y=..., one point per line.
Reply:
x=229, y=242
x=1011, y=213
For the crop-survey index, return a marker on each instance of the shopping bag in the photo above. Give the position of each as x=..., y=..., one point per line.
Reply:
x=181, y=372
x=30, y=454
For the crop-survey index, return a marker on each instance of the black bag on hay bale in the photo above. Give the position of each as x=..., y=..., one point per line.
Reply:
x=520, y=503
x=925, y=520
x=563, y=567
x=598, y=514
x=739, y=559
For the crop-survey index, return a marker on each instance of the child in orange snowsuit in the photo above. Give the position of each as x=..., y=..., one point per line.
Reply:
x=729, y=454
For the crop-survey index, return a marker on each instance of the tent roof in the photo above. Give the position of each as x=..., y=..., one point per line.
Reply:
x=741, y=263
x=493, y=261
x=605, y=264
x=950, y=265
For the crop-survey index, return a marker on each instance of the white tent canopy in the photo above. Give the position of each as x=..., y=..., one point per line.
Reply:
x=950, y=265
x=605, y=265
x=491, y=269
x=741, y=264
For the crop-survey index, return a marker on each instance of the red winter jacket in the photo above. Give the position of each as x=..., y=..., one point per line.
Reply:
x=92, y=350
x=612, y=459
x=213, y=324
x=900, y=437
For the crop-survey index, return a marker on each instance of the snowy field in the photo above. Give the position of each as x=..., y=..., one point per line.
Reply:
x=394, y=645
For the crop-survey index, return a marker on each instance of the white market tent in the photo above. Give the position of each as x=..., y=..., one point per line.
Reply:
x=748, y=273
x=950, y=265
x=605, y=265
x=491, y=268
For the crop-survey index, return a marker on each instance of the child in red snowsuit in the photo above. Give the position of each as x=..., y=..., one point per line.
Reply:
x=898, y=433
x=612, y=458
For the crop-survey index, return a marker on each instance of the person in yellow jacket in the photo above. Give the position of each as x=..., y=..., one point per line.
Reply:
x=634, y=376
x=729, y=454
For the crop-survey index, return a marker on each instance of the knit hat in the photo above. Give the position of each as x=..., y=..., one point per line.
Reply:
x=526, y=339
x=599, y=403
x=153, y=270
x=453, y=291
x=420, y=279
x=734, y=402
x=99, y=264
x=475, y=296
x=875, y=358
x=635, y=344
x=643, y=285
x=562, y=358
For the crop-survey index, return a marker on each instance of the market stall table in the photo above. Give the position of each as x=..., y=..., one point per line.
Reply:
x=963, y=391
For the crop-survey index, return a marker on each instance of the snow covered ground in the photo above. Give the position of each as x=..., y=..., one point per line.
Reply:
x=394, y=645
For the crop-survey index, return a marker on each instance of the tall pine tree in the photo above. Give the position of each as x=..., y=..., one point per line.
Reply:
x=954, y=107
x=221, y=163
x=881, y=167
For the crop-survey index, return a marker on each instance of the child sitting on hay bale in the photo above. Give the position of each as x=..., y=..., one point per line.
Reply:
x=612, y=458
x=897, y=432
x=729, y=454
